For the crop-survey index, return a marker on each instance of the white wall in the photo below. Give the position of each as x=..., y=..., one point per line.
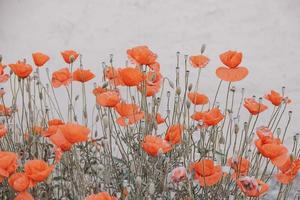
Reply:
x=267, y=32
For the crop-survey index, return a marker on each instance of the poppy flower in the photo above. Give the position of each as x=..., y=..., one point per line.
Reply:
x=126, y=109
x=275, y=98
x=130, y=119
x=99, y=90
x=154, y=145
x=37, y=170
x=232, y=72
x=178, y=174
x=254, y=107
x=108, y=98
x=69, y=56
x=82, y=75
x=252, y=187
x=51, y=130
x=159, y=118
x=153, y=82
x=24, y=196
x=155, y=67
x=100, y=196
x=289, y=175
x=8, y=164
x=21, y=69
x=3, y=130
x=19, y=182
x=239, y=165
x=60, y=141
x=3, y=76
x=206, y=172
x=74, y=132
x=197, y=98
x=199, y=61
x=61, y=77
x=113, y=75
x=198, y=116
x=39, y=59
x=174, y=134
x=55, y=122
x=131, y=76
x=4, y=111
x=141, y=55
x=213, y=117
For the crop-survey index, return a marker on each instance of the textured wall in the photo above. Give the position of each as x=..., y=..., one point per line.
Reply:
x=267, y=32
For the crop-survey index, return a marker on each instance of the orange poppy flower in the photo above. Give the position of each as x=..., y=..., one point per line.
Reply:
x=239, y=165
x=8, y=164
x=232, y=72
x=213, y=117
x=100, y=196
x=24, y=196
x=61, y=77
x=206, y=172
x=21, y=69
x=99, y=90
x=197, y=98
x=198, y=116
x=113, y=75
x=51, y=130
x=108, y=98
x=159, y=119
x=254, y=107
x=60, y=141
x=74, y=132
x=199, y=61
x=174, y=133
x=3, y=77
x=130, y=119
x=178, y=174
x=126, y=109
x=153, y=82
x=39, y=59
x=37, y=170
x=55, y=122
x=154, y=145
x=275, y=98
x=131, y=76
x=252, y=187
x=19, y=182
x=289, y=175
x=4, y=111
x=69, y=56
x=155, y=67
x=3, y=130
x=82, y=75
x=141, y=55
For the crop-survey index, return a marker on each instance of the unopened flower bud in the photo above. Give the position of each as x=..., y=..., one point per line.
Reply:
x=203, y=47
x=171, y=84
x=188, y=104
x=190, y=87
x=105, y=121
x=236, y=128
x=178, y=91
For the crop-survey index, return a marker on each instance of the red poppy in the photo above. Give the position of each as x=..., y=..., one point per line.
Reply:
x=99, y=90
x=108, y=98
x=289, y=175
x=232, y=72
x=113, y=75
x=198, y=116
x=178, y=174
x=239, y=165
x=159, y=119
x=21, y=69
x=61, y=77
x=199, y=61
x=19, y=182
x=213, y=117
x=55, y=122
x=126, y=109
x=100, y=196
x=141, y=55
x=130, y=119
x=60, y=141
x=24, y=196
x=74, y=132
x=3, y=77
x=40, y=59
x=3, y=130
x=82, y=75
x=254, y=107
x=275, y=98
x=154, y=145
x=206, y=172
x=37, y=170
x=174, y=134
x=69, y=56
x=252, y=187
x=131, y=76
x=153, y=82
x=8, y=164
x=197, y=98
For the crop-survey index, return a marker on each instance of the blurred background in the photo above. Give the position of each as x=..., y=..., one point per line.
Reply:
x=267, y=32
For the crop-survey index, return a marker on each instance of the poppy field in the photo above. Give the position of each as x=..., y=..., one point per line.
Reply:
x=140, y=135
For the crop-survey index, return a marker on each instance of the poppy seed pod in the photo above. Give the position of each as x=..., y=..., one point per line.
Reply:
x=72, y=58
x=178, y=91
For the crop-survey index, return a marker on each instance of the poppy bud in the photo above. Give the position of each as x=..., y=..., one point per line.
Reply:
x=190, y=87
x=222, y=140
x=232, y=89
x=171, y=84
x=290, y=113
x=72, y=58
x=188, y=104
x=0, y=58
x=105, y=84
x=236, y=128
x=178, y=91
x=278, y=131
x=77, y=97
x=168, y=94
x=296, y=137
x=151, y=188
x=203, y=47
x=105, y=122
x=293, y=157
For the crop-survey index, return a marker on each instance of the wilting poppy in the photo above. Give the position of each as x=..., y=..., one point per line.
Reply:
x=141, y=55
x=4, y=111
x=21, y=69
x=213, y=117
x=108, y=98
x=24, y=196
x=253, y=106
x=39, y=59
x=99, y=90
x=3, y=76
x=197, y=98
x=289, y=175
x=275, y=98
x=174, y=134
x=61, y=77
x=8, y=164
x=69, y=56
x=206, y=172
x=3, y=130
x=74, y=132
x=239, y=165
x=159, y=118
x=154, y=145
x=19, y=182
x=37, y=170
x=131, y=76
x=252, y=187
x=178, y=174
x=199, y=61
x=82, y=75
x=232, y=72
x=100, y=196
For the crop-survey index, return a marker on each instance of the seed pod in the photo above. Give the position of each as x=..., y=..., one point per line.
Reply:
x=178, y=91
